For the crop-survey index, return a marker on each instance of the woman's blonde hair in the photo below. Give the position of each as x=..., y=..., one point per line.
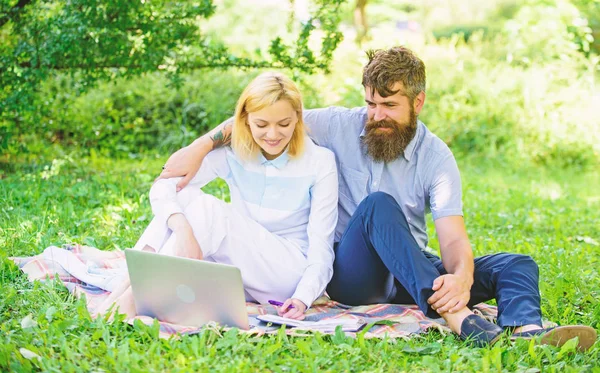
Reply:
x=265, y=90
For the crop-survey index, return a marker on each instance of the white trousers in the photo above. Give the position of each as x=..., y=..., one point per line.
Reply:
x=271, y=266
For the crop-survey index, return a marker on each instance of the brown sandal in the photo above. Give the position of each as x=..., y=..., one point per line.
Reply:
x=559, y=335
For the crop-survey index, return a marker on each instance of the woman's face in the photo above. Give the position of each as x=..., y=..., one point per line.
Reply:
x=272, y=127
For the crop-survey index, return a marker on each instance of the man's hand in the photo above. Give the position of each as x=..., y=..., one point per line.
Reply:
x=452, y=293
x=292, y=313
x=184, y=162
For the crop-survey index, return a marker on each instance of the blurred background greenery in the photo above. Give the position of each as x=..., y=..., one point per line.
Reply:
x=513, y=80
x=95, y=95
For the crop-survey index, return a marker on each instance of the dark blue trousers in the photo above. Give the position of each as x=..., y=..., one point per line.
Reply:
x=378, y=261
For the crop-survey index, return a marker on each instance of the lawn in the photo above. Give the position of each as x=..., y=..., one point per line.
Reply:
x=550, y=214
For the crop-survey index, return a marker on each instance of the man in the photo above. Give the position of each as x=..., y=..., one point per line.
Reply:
x=392, y=170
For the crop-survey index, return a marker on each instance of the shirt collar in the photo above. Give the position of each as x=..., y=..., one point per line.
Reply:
x=412, y=145
x=278, y=162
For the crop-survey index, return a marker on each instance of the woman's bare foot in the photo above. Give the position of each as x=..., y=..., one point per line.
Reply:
x=125, y=304
x=119, y=301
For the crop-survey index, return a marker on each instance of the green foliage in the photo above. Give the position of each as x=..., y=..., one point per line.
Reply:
x=465, y=31
x=521, y=113
x=304, y=59
x=96, y=39
x=522, y=90
x=132, y=116
x=549, y=214
x=557, y=27
x=92, y=41
x=591, y=10
x=511, y=80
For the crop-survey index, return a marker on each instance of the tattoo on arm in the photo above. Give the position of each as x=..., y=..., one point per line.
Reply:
x=220, y=138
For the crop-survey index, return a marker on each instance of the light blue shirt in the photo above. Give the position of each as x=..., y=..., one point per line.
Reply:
x=426, y=179
x=294, y=198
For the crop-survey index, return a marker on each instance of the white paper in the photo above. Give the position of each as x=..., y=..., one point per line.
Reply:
x=348, y=325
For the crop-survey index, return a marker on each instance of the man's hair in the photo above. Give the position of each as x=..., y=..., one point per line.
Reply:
x=387, y=67
x=265, y=90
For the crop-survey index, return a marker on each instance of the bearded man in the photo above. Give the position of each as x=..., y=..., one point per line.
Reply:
x=392, y=171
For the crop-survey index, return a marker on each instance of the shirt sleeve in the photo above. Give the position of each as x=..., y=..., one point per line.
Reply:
x=321, y=228
x=318, y=123
x=166, y=201
x=445, y=192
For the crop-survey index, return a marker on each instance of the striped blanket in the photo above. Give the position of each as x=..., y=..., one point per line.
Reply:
x=94, y=273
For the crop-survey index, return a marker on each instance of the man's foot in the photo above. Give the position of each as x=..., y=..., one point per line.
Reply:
x=479, y=332
x=559, y=335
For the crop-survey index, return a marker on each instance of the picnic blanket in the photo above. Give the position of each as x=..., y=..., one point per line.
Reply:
x=93, y=273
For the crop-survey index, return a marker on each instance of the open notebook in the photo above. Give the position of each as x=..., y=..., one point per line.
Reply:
x=329, y=325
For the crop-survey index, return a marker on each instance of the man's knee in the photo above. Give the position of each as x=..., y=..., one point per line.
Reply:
x=521, y=263
x=379, y=202
x=379, y=199
x=527, y=262
x=381, y=207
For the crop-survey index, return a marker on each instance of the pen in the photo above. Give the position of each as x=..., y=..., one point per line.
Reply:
x=279, y=304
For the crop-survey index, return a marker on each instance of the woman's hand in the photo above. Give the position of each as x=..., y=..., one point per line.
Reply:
x=186, y=245
x=297, y=312
x=184, y=162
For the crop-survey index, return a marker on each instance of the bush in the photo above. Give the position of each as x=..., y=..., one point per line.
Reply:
x=542, y=112
x=524, y=91
x=464, y=31
x=133, y=116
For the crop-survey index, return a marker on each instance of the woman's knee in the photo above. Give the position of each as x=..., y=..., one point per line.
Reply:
x=188, y=195
x=203, y=211
x=201, y=204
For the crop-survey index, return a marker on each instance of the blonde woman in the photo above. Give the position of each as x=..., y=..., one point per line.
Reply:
x=279, y=227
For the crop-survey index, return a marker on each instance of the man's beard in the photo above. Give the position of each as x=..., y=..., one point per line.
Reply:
x=387, y=146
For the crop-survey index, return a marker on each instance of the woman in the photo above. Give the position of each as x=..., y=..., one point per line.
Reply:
x=278, y=229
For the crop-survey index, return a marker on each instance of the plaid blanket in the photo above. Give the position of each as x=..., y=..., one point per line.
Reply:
x=102, y=270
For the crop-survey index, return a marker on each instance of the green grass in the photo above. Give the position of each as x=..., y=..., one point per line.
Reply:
x=550, y=214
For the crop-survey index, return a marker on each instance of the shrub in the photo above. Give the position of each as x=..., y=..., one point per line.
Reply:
x=143, y=114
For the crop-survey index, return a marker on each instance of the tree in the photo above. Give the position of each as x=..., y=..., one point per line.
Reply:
x=93, y=40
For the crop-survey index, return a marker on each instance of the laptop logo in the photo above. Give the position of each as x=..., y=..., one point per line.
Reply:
x=185, y=293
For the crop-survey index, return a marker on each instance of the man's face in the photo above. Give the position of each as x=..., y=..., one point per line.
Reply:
x=392, y=123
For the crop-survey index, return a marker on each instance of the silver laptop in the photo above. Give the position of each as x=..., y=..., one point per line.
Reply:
x=186, y=291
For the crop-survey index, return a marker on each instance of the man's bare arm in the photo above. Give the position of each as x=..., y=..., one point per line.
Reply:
x=457, y=255
x=452, y=291
x=186, y=161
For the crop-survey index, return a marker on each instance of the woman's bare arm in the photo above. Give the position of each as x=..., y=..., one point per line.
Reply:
x=186, y=161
